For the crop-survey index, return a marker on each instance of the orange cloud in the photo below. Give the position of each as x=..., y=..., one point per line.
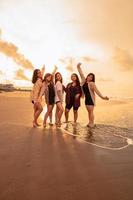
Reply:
x=70, y=62
x=105, y=80
x=69, y=68
x=124, y=59
x=0, y=32
x=11, y=50
x=88, y=59
x=20, y=75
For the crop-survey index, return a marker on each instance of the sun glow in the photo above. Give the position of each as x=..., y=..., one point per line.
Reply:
x=43, y=39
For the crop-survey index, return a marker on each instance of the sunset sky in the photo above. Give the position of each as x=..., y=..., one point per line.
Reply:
x=99, y=33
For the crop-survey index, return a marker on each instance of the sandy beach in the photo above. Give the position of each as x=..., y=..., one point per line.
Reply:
x=71, y=163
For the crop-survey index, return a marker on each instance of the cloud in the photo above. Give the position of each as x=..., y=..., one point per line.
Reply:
x=70, y=62
x=0, y=32
x=69, y=68
x=88, y=59
x=105, y=80
x=20, y=75
x=124, y=59
x=10, y=50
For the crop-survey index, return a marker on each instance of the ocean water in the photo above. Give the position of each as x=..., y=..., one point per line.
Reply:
x=113, y=124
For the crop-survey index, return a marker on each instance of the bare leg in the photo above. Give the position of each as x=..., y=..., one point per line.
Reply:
x=66, y=114
x=56, y=114
x=75, y=112
x=47, y=114
x=37, y=111
x=87, y=107
x=60, y=111
x=92, y=116
x=90, y=110
x=51, y=117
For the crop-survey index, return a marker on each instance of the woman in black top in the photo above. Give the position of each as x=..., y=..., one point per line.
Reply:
x=49, y=93
x=89, y=88
x=73, y=94
x=88, y=98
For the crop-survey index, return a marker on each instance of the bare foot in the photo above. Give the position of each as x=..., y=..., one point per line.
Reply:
x=44, y=125
x=74, y=123
x=51, y=124
x=58, y=124
x=90, y=125
x=34, y=124
x=38, y=124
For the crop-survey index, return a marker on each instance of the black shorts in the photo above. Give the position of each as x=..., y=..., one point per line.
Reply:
x=69, y=106
x=51, y=102
x=89, y=102
x=57, y=102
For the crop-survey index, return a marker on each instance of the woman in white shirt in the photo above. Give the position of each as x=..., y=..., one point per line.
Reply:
x=37, y=81
x=58, y=98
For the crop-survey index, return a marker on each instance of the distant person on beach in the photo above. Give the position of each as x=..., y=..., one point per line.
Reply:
x=73, y=94
x=49, y=92
x=58, y=98
x=89, y=89
x=37, y=81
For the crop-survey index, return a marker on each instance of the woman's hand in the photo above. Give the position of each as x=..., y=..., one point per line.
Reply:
x=43, y=67
x=77, y=96
x=106, y=98
x=55, y=67
x=78, y=65
x=43, y=70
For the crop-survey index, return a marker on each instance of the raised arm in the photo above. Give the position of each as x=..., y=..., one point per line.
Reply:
x=43, y=70
x=80, y=72
x=98, y=92
x=55, y=69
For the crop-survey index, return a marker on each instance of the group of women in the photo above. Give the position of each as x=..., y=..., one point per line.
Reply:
x=51, y=86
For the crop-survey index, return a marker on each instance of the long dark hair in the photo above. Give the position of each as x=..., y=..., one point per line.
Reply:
x=77, y=79
x=35, y=75
x=56, y=77
x=46, y=76
x=93, y=79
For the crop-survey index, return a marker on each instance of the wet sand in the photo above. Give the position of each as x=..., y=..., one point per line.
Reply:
x=50, y=164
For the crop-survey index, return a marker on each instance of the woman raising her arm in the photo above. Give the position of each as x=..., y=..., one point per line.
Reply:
x=37, y=85
x=89, y=89
x=73, y=94
x=49, y=92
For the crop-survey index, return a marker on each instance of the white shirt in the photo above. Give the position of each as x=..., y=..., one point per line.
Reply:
x=58, y=87
x=34, y=96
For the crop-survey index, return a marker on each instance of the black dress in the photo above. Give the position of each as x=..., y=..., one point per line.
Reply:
x=88, y=98
x=51, y=94
x=71, y=92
